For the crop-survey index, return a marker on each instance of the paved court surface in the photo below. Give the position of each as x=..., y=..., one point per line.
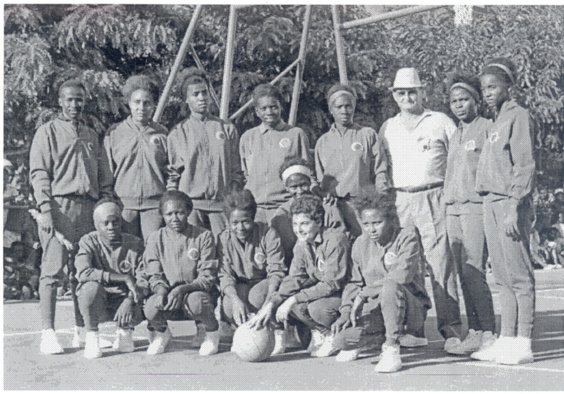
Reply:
x=182, y=368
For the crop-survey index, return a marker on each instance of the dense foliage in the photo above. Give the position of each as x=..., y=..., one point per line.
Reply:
x=104, y=44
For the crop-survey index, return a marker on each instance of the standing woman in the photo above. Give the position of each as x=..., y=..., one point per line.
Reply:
x=203, y=152
x=464, y=221
x=137, y=153
x=265, y=147
x=349, y=156
x=505, y=177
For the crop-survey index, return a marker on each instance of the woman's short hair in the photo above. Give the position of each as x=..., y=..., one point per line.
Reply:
x=267, y=90
x=508, y=71
x=293, y=161
x=370, y=198
x=72, y=83
x=141, y=82
x=192, y=76
x=309, y=205
x=242, y=200
x=337, y=88
x=176, y=195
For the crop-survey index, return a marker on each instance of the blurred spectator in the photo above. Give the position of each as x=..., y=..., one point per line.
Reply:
x=21, y=271
x=543, y=201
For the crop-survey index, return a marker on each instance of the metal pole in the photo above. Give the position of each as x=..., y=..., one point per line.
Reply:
x=390, y=15
x=177, y=62
x=278, y=78
x=201, y=67
x=300, y=68
x=228, y=64
x=341, y=62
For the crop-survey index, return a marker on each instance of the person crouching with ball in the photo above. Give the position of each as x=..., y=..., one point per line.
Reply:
x=251, y=263
x=106, y=266
x=386, y=293
x=181, y=270
x=311, y=293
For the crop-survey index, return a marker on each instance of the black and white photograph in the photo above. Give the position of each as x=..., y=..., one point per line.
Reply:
x=283, y=197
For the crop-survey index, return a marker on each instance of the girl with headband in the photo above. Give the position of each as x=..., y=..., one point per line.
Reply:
x=137, y=154
x=464, y=220
x=505, y=177
x=349, y=156
x=251, y=263
x=296, y=175
x=265, y=147
x=203, y=152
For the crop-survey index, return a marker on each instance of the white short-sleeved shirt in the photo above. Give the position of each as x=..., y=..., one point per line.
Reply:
x=418, y=157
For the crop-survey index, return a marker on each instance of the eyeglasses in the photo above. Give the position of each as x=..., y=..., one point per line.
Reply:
x=405, y=92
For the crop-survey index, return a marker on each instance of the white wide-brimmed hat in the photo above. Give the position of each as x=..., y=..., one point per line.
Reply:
x=407, y=78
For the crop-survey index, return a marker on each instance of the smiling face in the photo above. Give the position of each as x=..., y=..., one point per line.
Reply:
x=376, y=225
x=342, y=110
x=463, y=105
x=198, y=98
x=298, y=185
x=241, y=224
x=142, y=106
x=305, y=228
x=269, y=110
x=409, y=100
x=71, y=101
x=175, y=215
x=495, y=90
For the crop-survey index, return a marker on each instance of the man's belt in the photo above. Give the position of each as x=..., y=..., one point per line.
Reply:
x=416, y=189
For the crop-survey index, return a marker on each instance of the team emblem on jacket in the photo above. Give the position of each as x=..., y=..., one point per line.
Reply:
x=260, y=259
x=155, y=140
x=494, y=137
x=424, y=144
x=90, y=146
x=320, y=265
x=390, y=259
x=125, y=267
x=284, y=143
x=193, y=254
x=470, y=145
x=220, y=135
x=356, y=146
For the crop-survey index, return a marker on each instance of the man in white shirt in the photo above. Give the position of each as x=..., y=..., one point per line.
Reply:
x=417, y=143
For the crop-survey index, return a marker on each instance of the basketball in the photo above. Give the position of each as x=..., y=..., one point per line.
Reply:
x=253, y=345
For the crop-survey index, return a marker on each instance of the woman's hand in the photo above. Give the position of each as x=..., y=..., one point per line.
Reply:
x=511, y=222
x=262, y=318
x=355, y=310
x=175, y=299
x=240, y=311
x=284, y=310
x=341, y=323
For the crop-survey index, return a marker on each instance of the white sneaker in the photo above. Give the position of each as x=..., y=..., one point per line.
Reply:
x=151, y=335
x=160, y=342
x=78, y=339
x=347, y=355
x=211, y=343
x=516, y=351
x=91, y=345
x=316, y=341
x=49, y=343
x=470, y=344
x=200, y=335
x=489, y=347
x=409, y=340
x=124, y=341
x=327, y=348
x=451, y=343
x=279, y=342
x=390, y=359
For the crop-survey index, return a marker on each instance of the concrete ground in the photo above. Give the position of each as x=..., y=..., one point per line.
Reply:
x=181, y=368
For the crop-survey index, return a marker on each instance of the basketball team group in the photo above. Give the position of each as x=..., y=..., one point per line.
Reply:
x=332, y=248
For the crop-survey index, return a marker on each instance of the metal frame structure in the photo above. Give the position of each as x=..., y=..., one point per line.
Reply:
x=299, y=63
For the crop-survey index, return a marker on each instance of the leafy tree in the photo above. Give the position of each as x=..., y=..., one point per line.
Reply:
x=105, y=44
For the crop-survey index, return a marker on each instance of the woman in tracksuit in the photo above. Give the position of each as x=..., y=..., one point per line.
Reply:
x=137, y=153
x=464, y=220
x=505, y=177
